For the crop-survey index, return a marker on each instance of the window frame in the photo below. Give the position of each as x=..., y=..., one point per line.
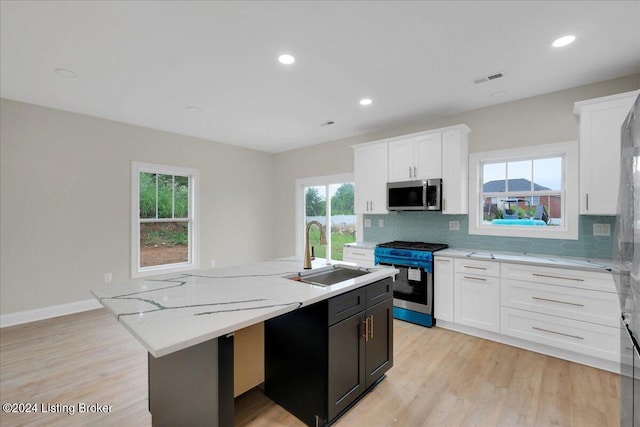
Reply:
x=193, y=262
x=569, y=193
x=301, y=184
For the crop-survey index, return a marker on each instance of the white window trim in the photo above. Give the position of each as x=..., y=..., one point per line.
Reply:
x=569, y=198
x=194, y=261
x=300, y=201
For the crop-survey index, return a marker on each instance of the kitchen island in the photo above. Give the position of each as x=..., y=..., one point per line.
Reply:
x=186, y=322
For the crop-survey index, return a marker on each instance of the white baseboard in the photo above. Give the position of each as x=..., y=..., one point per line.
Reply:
x=47, y=312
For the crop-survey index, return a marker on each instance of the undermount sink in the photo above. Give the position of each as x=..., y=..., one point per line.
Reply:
x=328, y=276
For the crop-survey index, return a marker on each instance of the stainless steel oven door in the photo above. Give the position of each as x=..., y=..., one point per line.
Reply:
x=413, y=289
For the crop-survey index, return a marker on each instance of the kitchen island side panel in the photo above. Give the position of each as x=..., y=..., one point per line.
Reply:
x=193, y=386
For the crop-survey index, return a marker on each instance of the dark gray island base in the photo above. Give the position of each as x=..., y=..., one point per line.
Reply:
x=320, y=360
x=193, y=387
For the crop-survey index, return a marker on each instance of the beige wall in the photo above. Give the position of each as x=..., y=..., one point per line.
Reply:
x=65, y=201
x=65, y=187
x=542, y=119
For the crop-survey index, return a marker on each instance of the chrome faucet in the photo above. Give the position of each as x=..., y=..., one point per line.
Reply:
x=323, y=241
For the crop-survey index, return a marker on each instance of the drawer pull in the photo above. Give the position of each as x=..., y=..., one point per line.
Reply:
x=476, y=268
x=358, y=253
x=557, y=277
x=557, y=333
x=475, y=278
x=559, y=302
x=443, y=260
x=372, y=326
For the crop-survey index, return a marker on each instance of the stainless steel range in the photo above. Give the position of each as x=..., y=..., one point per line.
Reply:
x=413, y=287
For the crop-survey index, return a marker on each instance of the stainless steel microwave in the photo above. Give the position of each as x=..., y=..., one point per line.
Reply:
x=421, y=195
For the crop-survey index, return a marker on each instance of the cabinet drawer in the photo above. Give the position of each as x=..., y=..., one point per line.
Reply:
x=560, y=276
x=582, y=337
x=578, y=304
x=357, y=255
x=379, y=291
x=346, y=305
x=473, y=266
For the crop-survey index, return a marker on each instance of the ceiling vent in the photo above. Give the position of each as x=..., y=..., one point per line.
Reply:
x=488, y=78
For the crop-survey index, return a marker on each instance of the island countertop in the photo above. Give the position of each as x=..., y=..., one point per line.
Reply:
x=171, y=312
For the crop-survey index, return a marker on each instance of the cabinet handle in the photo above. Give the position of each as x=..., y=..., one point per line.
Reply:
x=372, y=326
x=415, y=174
x=366, y=329
x=559, y=302
x=476, y=268
x=358, y=253
x=410, y=172
x=557, y=277
x=442, y=260
x=587, y=197
x=557, y=333
x=475, y=278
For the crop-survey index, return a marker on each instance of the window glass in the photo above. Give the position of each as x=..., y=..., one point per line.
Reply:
x=164, y=223
x=331, y=205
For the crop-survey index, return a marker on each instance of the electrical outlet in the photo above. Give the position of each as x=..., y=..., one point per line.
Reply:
x=367, y=223
x=601, y=229
x=454, y=225
x=108, y=277
x=381, y=223
x=212, y=263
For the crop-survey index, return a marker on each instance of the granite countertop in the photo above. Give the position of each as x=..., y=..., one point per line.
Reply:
x=171, y=312
x=588, y=264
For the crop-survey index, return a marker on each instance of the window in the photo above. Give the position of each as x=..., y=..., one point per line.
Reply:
x=329, y=201
x=525, y=192
x=163, y=219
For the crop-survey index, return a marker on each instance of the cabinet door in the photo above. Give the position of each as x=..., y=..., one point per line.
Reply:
x=443, y=288
x=379, y=342
x=600, y=125
x=455, y=172
x=477, y=301
x=428, y=156
x=370, y=176
x=346, y=381
x=401, y=160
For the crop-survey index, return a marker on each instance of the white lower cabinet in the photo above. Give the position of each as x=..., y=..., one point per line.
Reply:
x=477, y=294
x=568, y=313
x=569, y=309
x=443, y=288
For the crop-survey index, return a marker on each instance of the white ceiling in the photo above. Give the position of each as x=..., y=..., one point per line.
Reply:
x=145, y=62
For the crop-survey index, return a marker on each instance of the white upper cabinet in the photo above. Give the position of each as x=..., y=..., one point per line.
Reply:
x=414, y=158
x=370, y=176
x=439, y=153
x=600, y=123
x=455, y=171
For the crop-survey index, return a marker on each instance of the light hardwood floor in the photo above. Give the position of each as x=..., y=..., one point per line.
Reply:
x=439, y=378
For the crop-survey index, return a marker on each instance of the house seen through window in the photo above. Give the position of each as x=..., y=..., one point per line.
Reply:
x=523, y=192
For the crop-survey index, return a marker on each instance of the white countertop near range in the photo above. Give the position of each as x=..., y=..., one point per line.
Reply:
x=589, y=264
x=172, y=312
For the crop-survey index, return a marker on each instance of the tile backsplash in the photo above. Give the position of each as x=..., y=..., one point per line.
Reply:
x=434, y=227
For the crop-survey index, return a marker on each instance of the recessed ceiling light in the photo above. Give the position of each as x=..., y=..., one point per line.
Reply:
x=563, y=41
x=271, y=131
x=286, y=59
x=499, y=94
x=65, y=73
x=365, y=101
x=194, y=109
